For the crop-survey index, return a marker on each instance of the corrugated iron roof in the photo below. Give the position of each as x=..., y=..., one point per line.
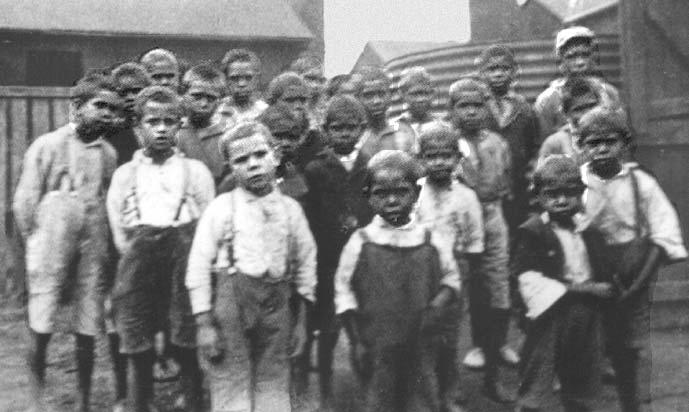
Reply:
x=216, y=19
x=379, y=52
x=570, y=11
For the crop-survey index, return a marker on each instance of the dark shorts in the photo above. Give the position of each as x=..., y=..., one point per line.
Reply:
x=149, y=294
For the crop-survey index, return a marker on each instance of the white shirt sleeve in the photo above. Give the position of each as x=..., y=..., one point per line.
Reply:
x=114, y=204
x=663, y=223
x=448, y=264
x=344, y=294
x=474, y=238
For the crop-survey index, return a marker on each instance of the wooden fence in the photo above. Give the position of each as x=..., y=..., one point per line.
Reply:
x=25, y=113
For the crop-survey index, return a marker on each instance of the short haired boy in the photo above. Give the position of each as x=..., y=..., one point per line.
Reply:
x=513, y=118
x=485, y=167
x=575, y=49
x=373, y=91
x=451, y=209
x=265, y=253
x=310, y=68
x=416, y=89
x=162, y=67
x=642, y=232
x=242, y=69
x=130, y=78
x=335, y=206
x=564, y=278
x=199, y=137
x=59, y=207
x=578, y=97
x=153, y=204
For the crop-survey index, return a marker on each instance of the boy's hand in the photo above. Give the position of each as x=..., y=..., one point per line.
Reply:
x=360, y=358
x=298, y=340
x=602, y=290
x=208, y=339
x=432, y=320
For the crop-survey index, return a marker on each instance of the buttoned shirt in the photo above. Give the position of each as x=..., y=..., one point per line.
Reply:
x=611, y=209
x=270, y=238
x=204, y=145
x=395, y=136
x=233, y=114
x=455, y=213
x=57, y=157
x=168, y=194
x=381, y=232
x=486, y=165
x=577, y=266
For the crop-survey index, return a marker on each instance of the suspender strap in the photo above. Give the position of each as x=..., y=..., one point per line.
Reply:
x=427, y=237
x=185, y=189
x=639, y=218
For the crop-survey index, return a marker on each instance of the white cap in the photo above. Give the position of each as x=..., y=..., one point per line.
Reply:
x=539, y=292
x=565, y=35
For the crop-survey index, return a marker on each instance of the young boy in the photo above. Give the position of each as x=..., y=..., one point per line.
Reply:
x=59, y=207
x=562, y=273
x=130, y=78
x=264, y=252
x=162, y=67
x=153, y=204
x=512, y=118
x=310, y=68
x=575, y=48
x=199, y=137
x=578, y=97
x=417, y=93
x=242, y=69
x=373, y=91
x=334, y=205
x=485, y=167
x=393, y=285
x=642, y=232
x=451, y=209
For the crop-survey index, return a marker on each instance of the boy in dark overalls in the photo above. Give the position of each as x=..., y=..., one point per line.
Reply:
x=393, y=285
x=153, y=204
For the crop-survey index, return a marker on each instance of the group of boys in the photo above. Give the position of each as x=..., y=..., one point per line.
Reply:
x=236, y=232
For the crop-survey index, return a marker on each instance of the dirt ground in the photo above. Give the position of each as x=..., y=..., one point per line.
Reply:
x=670, y=367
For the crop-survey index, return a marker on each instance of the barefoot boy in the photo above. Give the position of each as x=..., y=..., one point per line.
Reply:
x=242, y=69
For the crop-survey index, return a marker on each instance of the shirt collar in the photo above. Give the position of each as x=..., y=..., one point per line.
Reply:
x=73, y=133
x=249, y=197
x=380, y=223
x=140, y=157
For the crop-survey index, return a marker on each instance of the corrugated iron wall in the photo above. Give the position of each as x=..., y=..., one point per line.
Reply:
x=537, y=65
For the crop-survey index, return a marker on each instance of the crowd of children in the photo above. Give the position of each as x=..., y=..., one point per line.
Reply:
x=204, y=227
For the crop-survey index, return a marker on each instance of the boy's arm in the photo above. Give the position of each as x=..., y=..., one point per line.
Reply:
x=203, y=185
x=450, y=280
x=304, y=259
x=475, y=234
x=30, y=187
x=114, y=203
x=650, y=268
x=663, y=224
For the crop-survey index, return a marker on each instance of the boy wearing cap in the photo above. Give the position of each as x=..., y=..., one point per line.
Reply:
x=575, y=48
x=641, y=231
x=561, y=271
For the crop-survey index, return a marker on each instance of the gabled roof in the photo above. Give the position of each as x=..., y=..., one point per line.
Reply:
x=212, y=19
x=570, y=11
x=377, y=53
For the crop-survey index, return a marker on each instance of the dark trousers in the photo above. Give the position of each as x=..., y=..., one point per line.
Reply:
x=564, y=342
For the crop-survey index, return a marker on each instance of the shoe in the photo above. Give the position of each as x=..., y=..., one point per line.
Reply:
x=120, y=406
x=498, y=393
x=165, y=370
x=509, y=356
x=609, y=375
x=475, y=359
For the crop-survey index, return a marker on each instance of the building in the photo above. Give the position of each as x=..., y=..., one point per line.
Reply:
x=37, y=36
x=378, y=53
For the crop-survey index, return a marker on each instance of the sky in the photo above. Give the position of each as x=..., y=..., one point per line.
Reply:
x=350, y=24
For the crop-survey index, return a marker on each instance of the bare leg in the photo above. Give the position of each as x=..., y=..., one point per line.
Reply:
x=35, y=360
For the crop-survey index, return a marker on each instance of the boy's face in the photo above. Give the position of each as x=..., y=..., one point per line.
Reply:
x=164, y=74
x=296, y=97
x=419, y=98
x=580, y=106
x=498, y=72
x=468, y=111
x=439, y=160
x=201, y=100
x=242, y=80
x=343, y=133
x=159, y=125
x=128, y=88
x=315, y=81
x=288, y=137
x=577, y=59
x=253, y=163
x=603, y=148
x=98, y=115
x=392, y=196
x=375, y=96
x=560, y=201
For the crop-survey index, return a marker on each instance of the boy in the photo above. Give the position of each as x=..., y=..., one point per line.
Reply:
x=153, y=204
x=642, y=232
x=199, y=137
x=578, y=97
x=59, y=208
x=393, y=285
x=130, y=78
x=242, y=69
x=373, y=91
x=562, y=273
x=334, y=205
x=575, y=49
x=262, y=245
x=417, y=94
x=512, y=118
x=162, y=67
x=453, y=211
x=310, y=68
x=485, y=167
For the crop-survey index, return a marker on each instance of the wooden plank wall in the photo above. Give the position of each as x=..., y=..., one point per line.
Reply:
x=25, y=113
